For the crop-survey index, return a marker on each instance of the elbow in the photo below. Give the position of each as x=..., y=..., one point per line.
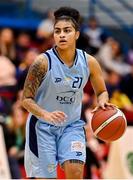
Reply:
x=26, y=102
x=23, y=102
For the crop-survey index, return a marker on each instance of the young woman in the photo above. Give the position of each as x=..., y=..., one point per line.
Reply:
x=53, y=96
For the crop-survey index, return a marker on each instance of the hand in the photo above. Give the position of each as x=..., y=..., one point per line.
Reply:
x=104, y=106
x=55, y=117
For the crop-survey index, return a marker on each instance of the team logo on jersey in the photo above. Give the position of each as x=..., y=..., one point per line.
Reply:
x=75, y=71
x=78, y=147
x=67, y=97
x=66, y=80
x=57, y=80
x=51, y=168
x=78, y=153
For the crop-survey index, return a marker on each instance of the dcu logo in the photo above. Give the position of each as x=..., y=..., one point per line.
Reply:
x=67, y=97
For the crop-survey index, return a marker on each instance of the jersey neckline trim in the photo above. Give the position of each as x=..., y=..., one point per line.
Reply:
x=57, y=55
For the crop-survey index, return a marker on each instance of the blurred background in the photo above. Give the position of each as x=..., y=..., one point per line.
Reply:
x=26, y=29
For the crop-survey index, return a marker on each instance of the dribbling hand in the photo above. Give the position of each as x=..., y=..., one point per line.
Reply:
x=104, y=106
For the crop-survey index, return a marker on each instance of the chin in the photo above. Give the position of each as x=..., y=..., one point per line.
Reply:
x=63, y=47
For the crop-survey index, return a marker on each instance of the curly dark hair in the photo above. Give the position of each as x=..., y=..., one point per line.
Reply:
x=68, y=13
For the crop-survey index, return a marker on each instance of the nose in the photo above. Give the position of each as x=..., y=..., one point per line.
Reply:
x=62, y=35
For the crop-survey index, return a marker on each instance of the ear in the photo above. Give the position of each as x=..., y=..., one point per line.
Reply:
x=77, y=34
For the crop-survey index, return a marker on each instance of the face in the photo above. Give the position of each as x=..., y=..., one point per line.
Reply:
x=30, y=57
x=65, y=35
x=7, y=36
x=93, y=24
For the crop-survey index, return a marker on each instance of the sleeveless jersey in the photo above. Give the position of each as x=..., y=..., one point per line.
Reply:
x=62, y=86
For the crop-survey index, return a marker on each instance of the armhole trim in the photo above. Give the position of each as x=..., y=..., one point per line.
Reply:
x=86, y=62
x=85, y=58
x=49, y=59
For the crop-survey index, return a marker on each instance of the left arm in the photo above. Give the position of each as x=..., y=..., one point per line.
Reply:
x=98, y=83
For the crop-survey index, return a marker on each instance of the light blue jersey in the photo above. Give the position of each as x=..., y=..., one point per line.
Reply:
x=48, y=144
x=62, y=88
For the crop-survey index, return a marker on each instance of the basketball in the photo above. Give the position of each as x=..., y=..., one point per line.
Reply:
x=108, y=125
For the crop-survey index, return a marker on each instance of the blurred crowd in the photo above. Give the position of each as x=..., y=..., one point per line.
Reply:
x=17, y=52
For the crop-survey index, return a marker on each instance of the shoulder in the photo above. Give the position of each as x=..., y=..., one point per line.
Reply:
x=39, y=66
x=92, y=63
x=41, y=61
x=91, y=59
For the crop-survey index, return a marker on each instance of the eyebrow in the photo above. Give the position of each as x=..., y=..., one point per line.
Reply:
x=57, y=28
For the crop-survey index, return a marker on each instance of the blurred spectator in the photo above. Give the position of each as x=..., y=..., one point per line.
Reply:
x=121, y=100
x=43, y=44
x=44, y=34
x=95, y=33
x=113, y=80
x=83, y=43
x=7, y=72
x=15, y=124
x=130, y=55
x=7, y=44
x=8, y=84
x=29, y=58
x=46, y=27
x=110, y=58
x=22, y=71
x=127, y=85
x=23, y=43
x=9, y=138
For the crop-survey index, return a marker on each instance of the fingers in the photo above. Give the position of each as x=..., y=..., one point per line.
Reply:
x=97, y=107
x=62, y=114
x=111, y=105
x=104, y=106
x=58, y=117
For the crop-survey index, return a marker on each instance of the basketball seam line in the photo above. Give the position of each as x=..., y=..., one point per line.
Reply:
x=118, y=113
x=116, y=130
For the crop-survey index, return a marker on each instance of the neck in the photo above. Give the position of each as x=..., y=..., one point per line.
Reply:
x=67, y=55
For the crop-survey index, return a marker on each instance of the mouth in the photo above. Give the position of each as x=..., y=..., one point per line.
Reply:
x=62, y=41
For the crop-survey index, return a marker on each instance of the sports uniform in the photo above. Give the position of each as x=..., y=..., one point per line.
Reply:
x=61, y=89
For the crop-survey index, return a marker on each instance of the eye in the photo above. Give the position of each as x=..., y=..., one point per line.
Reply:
x=67, y=30
x=56, y=31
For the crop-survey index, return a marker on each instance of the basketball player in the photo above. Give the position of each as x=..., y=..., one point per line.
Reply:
x=53, y=95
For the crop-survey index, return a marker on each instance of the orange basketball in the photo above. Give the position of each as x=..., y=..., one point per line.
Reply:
x=108, y=125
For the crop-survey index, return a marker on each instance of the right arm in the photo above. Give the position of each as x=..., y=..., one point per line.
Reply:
x=33, y=80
